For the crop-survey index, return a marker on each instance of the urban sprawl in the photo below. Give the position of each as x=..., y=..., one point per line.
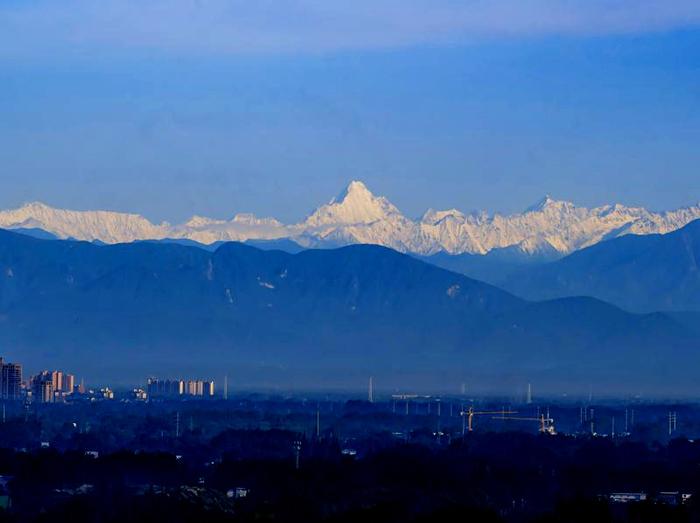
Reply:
x=58, y=386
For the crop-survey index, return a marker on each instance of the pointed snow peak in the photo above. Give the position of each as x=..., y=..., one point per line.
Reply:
x=355, y=205
x=541, y=204
x=355, y=190
x=548, y=203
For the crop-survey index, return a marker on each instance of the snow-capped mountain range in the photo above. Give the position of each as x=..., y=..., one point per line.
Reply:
x=358, y=216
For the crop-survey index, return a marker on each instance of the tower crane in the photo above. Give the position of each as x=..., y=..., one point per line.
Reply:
x=546, y=422
x=468, y=416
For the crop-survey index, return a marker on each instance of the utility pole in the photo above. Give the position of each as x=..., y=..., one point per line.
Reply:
x=318, y=422
x=177, y=424
x=529, y=394
x=297, y=453
x=370, y=391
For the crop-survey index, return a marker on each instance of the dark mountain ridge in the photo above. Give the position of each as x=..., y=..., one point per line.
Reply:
x=638, y=273
x=318, y=318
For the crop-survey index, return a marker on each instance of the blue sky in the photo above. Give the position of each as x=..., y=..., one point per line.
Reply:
x=212, y=107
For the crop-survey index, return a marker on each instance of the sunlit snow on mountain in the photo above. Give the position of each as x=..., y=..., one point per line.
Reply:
x=358, y=216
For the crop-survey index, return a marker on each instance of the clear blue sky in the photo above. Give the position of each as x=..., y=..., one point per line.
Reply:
x=192, y=106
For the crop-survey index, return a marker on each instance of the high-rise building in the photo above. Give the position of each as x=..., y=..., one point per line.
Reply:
x=42, y=387
x=152, y=386
x=46, y=392
x=68, y=383
x=50, y=386
x=57, y=380
x=161, y=388
x=10, y=380
x=157, y=388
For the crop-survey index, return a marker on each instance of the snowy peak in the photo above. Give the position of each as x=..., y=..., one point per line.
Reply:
x=358, y=216
x=239, y=220
x=550, y=204
x=246, y=218
x=355, y=205
x=355, y=190
x=201, y=221
x=106, y=226
x=36, y=207
x=540, y=204
x=433, y=217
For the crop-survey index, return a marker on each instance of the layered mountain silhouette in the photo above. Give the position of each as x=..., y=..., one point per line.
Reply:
x=638, y=273
x=316, y=318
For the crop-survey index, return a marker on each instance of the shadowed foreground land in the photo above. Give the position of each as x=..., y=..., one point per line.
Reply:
x=235, y=461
